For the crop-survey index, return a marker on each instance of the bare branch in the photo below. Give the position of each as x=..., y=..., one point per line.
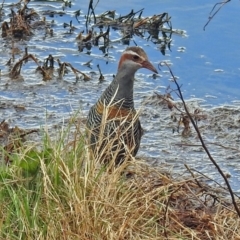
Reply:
x=202, y=141
x=214, y=13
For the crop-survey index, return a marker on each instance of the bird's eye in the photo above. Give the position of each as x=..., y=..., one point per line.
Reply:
x=135, y=57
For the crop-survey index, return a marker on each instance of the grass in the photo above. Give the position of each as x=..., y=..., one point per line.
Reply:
x=59, y=192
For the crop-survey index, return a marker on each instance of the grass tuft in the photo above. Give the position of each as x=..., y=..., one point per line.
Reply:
x=59, y=191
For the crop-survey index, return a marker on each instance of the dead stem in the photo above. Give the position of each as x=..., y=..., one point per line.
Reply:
x=202, y=141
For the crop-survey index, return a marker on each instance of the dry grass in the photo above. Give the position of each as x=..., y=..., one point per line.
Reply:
x=61, y=193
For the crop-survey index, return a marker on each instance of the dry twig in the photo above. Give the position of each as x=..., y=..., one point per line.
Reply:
x=202, y=141
x=212, y=16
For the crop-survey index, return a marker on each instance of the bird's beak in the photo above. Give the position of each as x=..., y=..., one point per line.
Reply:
x=148, y=65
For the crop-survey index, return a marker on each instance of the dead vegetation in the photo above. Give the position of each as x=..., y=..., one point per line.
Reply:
x=25, y=21
x=20, y=22
x=12, y=140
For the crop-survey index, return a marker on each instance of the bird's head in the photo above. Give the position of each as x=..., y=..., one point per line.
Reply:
x=134, y=58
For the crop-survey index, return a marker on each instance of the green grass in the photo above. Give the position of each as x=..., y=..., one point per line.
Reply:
x=57, y=191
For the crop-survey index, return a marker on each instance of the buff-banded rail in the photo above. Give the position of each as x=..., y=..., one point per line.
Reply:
x=113, y=125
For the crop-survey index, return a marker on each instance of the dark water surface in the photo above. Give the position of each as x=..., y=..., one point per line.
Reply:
x=206, y=62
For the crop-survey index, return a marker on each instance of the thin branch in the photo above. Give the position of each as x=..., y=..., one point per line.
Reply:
x=166, y=210
x=212, y=180
x=202, y=141
x=193, y=176
x=212, y=16
x=90, y=7
x=212, y=143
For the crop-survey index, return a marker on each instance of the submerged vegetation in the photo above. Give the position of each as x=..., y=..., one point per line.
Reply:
x=54, y=189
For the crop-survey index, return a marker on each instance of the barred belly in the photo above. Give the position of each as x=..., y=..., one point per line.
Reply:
x=115, y=134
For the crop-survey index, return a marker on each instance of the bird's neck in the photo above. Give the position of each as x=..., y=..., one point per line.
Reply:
x=123, y=85
x=120, y=91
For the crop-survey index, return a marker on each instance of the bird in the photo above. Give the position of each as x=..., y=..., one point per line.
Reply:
x=113, y=125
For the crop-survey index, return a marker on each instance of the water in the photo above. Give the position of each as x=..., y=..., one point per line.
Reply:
x=206, y=62
x=206, y=51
